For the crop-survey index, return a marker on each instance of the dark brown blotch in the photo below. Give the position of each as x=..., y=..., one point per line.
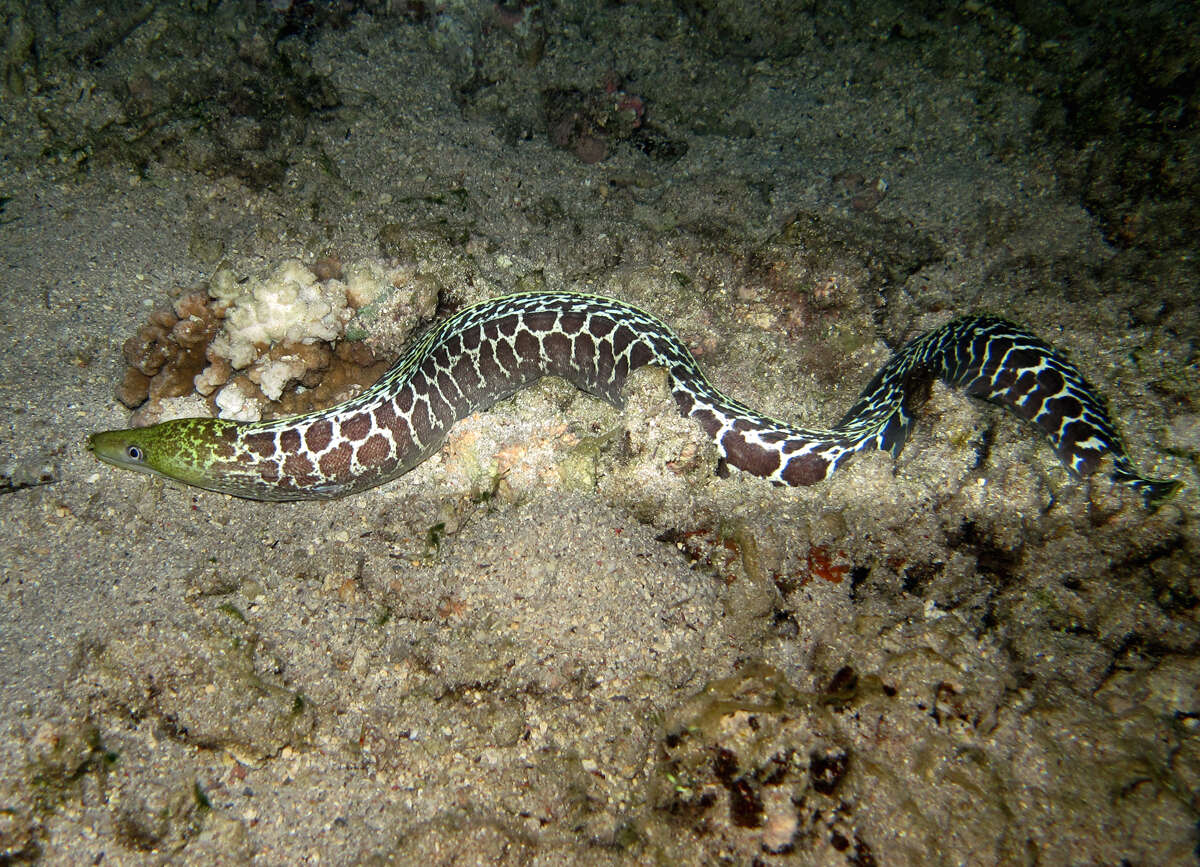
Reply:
x=604, y=362
x=749, y=456
x=289, y=441
x=571, y=322
x=805, y=469
x=585, y=353
x=1051, y=380
x=374, y=451
x=418, y=382
x=466, y=379
x=448, y=386
x=385, y=415
x=357, y=427
x=404, y=400
x=639, y=355
x=300, y=468
x=319, y=435
x=622, y=337
x=422, y=424
x=993, y=349
x=558, y=348
x=527, y=345
x=336, y=463
x=1061, y=408
x=1023, y=358
x=261, y=444
x=600, y=326
x=507, y=326
x=440, y=407
x=541, y=322
x=391, y=421
x=621, y=371
x=707, y=419
x=506, y=359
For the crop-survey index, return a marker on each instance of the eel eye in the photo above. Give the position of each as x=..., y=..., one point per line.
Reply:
x=134, y=453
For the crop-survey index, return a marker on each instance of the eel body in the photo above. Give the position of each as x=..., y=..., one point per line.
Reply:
x=488, y=351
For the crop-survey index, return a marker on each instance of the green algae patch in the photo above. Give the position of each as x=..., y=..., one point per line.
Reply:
x=206, y=681
x=749, y=766
x=62, y=758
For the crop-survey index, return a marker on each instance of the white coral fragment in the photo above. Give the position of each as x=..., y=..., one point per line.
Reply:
x=366, y=281
x=273, y=376
x=235, y=405
x=289, y=305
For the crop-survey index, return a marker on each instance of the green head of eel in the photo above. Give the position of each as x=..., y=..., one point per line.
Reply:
x=195, y=451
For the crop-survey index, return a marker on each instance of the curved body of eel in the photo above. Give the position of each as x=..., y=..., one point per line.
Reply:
x=490, y=350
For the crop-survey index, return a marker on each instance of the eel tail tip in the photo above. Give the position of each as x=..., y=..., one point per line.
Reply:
x=1155, y=492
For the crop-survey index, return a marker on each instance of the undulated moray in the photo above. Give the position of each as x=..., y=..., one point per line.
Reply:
x=490, y=350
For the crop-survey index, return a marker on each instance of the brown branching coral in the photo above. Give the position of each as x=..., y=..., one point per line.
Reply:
x=168, y=352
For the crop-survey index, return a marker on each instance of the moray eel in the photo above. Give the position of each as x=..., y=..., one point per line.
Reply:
x=490, y=350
